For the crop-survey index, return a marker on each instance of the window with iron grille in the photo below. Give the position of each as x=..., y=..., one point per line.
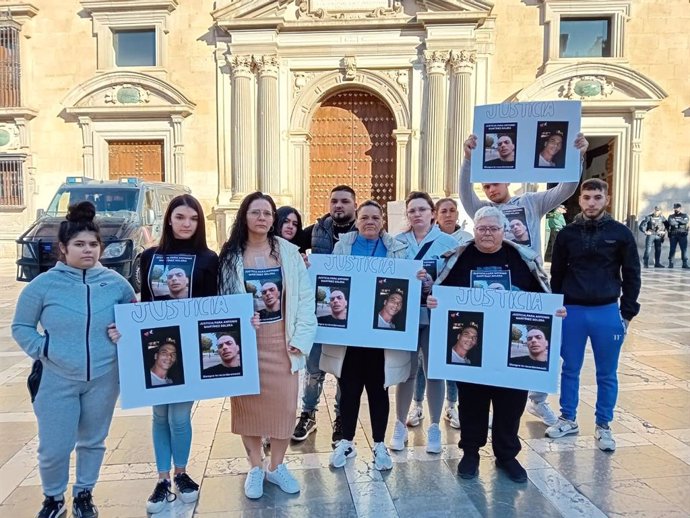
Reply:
x=9, y=67
x=11, y=182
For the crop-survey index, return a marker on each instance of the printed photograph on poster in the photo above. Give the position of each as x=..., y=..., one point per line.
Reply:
x=465, y=330
x=492, y=278
x=332, y=298
x=526, y=142
x=266, y=287
x=549, y=150
x=170, y=276
x=430, y=267
x=528, y=343
x=220, y=348
x=162, y=357
x=390, y=303
x=500, y=145
x=517, y=231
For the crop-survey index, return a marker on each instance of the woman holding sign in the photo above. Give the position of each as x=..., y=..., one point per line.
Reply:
x=427, y=242
x=181, y=266
x=358, y=368
x=490, y=251
x=255, y=260
x=74, y=380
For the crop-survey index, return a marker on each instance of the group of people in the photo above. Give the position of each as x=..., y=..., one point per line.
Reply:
x=656, y=226
x=74, y=381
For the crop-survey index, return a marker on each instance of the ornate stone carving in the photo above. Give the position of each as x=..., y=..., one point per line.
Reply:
x=344, y=10
x=462, y=60
x=349, y=68
x=300, y=80
x=240, y=64
x=127, y=93
x=9, y=137
x=401, y=78
x=435, y=61
x=266, y=64
x=587, y=87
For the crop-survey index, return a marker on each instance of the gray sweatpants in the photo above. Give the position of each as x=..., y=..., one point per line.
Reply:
x=73, y=413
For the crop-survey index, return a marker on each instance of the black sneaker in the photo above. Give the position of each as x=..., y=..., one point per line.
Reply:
x=337, y=432
x=513, y=469
x=186, y=488
x=52, y=508
x=305, y=425
x=469, y=465
x=83, y=506
x=160, y=496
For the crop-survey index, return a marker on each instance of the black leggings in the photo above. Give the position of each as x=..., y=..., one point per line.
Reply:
x=363, y=367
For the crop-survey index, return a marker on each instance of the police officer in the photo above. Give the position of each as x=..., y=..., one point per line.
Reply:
x=654, y=227
x=677, y=224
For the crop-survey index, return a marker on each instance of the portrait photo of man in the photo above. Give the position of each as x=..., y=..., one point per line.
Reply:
x=550, y=144
x=466, y=341
x=271, y=296
x=164, y=364
x=178, y=283
x=537, y=356
x=228, y=351
x=337, y=304
x=392, y=304
x=505, y=147
x=519, y=230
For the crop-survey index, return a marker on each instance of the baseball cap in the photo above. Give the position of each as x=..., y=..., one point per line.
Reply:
x=676, y=205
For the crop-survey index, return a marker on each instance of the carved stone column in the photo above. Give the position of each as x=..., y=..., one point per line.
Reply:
x=269, y=126
x=434, y=156
x=631, y=206
x=459, y=114
x=87, y=145
x=242, y=141
x=178, y=149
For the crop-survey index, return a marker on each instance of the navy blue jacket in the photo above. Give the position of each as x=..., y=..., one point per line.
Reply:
x=594, y=261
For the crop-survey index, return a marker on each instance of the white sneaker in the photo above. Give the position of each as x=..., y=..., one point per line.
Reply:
x=433, y=439
x=543, y=411
x=415, y=416
x=254, y=483
x=282, y=478
x=452, y=416
x=382, y=458
x=561, y=428
x=343, y=450
x=399, y=437
x=604, y=439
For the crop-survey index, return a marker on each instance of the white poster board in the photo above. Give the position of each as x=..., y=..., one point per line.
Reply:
x=366, y=301
x=526, y=142
x=496, y=337
x=186, y=349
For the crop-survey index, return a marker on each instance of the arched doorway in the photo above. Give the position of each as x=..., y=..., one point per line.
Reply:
x=352, y=143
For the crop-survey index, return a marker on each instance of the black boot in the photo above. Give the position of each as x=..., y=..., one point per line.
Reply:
x=670, y=263
x=659, y=265
x=685, y=265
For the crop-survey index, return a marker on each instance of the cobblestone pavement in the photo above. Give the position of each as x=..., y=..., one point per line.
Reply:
x=648, y=475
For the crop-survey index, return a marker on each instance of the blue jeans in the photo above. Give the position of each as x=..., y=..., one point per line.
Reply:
x=652, y=243
x=172, y=434
x=604, y=327
x=313, y=383
x=420, y=387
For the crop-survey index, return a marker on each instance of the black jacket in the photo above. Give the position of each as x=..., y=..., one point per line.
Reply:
x=593, y=261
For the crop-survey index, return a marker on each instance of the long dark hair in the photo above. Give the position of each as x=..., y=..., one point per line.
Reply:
x=198, y=240
x=231, y=251
x=281, y=217
x=79, y=218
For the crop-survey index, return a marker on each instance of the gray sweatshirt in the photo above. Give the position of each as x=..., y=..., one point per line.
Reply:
x=528, y=208
x=74, y=308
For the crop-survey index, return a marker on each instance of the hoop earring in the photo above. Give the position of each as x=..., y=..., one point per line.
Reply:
x=272, y=229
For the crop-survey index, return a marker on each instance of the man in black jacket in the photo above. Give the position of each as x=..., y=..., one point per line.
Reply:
x=594, y=259
x=654, y=227
x=677, y=224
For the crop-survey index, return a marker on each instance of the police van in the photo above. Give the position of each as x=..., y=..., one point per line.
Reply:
x=129, y=213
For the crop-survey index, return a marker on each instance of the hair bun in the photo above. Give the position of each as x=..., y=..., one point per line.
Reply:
x=83, y=211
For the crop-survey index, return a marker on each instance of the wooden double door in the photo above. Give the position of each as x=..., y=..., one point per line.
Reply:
x=352, y=144
x=141, y=159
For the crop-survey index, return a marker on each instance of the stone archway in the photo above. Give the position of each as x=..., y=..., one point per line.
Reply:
x=352, y=143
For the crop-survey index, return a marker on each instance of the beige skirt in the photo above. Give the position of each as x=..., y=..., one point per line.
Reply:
x=271, y=413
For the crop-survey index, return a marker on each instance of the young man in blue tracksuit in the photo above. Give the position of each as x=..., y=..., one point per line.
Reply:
x=596, y=266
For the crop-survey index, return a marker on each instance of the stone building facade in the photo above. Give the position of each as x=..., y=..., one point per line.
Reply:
x=294, y=96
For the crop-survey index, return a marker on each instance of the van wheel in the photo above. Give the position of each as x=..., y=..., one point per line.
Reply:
x=135, y=279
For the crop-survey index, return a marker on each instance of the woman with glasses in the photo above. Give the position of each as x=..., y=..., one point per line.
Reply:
x=284, y=338
x=490, y=250
x=427, y=242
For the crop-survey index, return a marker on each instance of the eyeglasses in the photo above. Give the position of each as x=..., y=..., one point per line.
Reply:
x=420, y=210
x=258, y=213
x=487, y=230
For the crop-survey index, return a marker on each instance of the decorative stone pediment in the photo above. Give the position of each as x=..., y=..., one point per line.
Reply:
x=597, y=84
x=137, y=94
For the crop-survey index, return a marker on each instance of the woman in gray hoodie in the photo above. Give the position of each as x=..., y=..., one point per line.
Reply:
x=74, y=379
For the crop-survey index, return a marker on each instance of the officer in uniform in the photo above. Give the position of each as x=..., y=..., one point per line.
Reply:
x=677, y=224
x=654, y=227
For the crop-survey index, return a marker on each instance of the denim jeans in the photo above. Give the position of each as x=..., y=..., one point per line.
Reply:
x=313, y=383
x=420, y=387
x=172, y=434
x=652, y=243
x=604, y=327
